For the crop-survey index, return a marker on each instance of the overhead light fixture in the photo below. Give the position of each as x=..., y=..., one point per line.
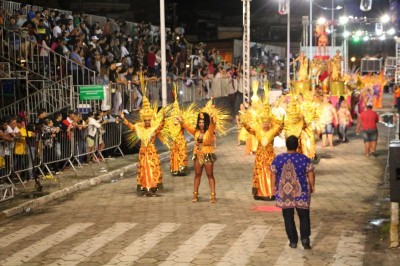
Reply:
x=366, y=5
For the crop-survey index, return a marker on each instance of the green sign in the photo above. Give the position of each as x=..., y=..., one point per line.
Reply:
x=93, y=92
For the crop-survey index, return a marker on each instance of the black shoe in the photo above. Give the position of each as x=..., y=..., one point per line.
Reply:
x=293, y=245
x=306, y=243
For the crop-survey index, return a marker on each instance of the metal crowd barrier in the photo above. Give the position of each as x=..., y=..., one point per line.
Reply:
x=107, y=137
x=21, y=158
x=6, y=164
x=55, y=151
x=111, y=135
x=25, y=158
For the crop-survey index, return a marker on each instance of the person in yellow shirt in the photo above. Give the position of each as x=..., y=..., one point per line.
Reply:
x=22, y=153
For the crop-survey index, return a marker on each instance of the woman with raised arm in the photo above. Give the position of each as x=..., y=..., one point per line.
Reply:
x=203, y=153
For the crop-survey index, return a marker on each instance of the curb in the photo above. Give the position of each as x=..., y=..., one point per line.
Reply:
x=35, y=203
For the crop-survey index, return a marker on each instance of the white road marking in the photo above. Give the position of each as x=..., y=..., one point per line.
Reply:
x=141, y=246
x=194, y=245
x=245, y=245
x=35, y=249
x=84, y=250
x=20, y=234
x=291, y=256
x=350, y=249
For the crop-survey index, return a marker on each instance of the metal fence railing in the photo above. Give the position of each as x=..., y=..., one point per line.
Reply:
x=21, y=50
x=50, y=151
x=55, y=97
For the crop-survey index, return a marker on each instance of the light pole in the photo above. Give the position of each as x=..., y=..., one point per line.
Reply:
x=284, y=9
x=333, y=42
x=288, y=47
x=163, y=55
x=311, y=30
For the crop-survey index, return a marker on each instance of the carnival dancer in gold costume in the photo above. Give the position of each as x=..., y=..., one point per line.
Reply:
x=149, y=174
x=294, y=120
x=260, y=122
x=302, y=74
x=175, y=132
x=209, y=121
x=309, y=111
x=336, y=68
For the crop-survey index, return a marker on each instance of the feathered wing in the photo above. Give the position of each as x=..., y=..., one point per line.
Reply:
x=171, y=128
x=131, y=136
x=220, y=115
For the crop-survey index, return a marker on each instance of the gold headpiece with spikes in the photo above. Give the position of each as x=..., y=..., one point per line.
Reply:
x=175, y=106
x=254, y=88
x=267, y=89
x=146, y=113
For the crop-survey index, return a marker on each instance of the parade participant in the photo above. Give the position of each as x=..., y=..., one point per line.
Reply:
x=322, y=35
x=203, y=153
x=260, y=123
x=149, y=174
x=241, y=130
x=367, y=122
x=345, y=119
x=327, y=118
x=309, y=111
x=178, y=146
x=264, y=130
x=293, y=175
x=302, y=74
x=294, y=120
x=336, y=67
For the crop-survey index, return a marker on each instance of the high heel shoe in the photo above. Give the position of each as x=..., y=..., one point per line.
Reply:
x=195, y=197
x=213, y=198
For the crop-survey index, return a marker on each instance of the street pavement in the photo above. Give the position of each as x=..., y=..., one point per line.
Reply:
x=95, y=217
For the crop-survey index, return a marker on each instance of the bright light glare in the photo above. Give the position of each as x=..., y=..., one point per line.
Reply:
x=365, y=38
x=321, y=21
x=353, y=59
x=383, y=37
x=346, y=34
x=385, y=18
x=339, y=7
x=391, y=31
x=343, y=20
x=358, y=33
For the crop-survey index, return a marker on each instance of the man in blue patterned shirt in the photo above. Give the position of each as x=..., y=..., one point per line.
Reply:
x=293, y=174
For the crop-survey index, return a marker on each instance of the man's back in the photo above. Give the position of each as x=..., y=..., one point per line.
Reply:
x=368, y=119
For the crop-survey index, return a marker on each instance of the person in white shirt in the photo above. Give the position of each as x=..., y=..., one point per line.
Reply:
x=57, y=30
x=93, y=127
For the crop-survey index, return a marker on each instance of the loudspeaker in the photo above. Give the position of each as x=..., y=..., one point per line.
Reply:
x=394, y=170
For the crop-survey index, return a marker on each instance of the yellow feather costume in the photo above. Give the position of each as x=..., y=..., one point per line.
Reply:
x=149, y=174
